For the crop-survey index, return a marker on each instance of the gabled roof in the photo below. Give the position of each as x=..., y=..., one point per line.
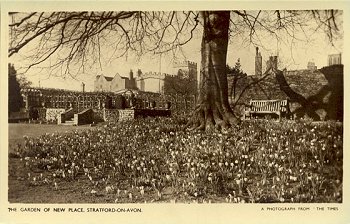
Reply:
x=122, y=77
x=106, y=77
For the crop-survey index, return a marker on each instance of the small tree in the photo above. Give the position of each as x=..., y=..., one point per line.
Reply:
x=235, y=74
x=23, y=82
x=181, y=85
x=15, y=99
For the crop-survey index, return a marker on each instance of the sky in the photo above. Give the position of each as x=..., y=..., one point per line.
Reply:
x=291, y=55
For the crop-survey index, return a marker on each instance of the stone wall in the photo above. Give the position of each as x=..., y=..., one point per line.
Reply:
x=110, y=114
x=53, y=113
x=126, y=115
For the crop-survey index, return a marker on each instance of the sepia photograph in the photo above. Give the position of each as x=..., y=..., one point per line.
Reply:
x=172, y=106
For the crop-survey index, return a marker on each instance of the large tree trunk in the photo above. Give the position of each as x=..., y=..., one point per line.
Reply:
x=212, y=109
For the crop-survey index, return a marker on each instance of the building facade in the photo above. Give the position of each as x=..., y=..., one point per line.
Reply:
x=146, y=82
x=334, y=59
x=311, y=66
x=187, y=69
x=102, y=83
x=114, y=84
x=150, y=82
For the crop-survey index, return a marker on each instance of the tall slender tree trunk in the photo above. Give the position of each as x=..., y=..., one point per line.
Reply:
x=212, y=109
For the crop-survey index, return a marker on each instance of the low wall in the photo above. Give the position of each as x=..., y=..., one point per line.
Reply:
x=89, y=116
x=53, y=113
x=125, y=115
x=152, y=113
x=129, y=114
x=16, y=117
x=110, y=114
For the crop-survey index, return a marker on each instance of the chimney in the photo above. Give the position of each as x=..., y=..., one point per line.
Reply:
x=258, y=62
x=139, y=72
x=83, y=87
x=275, y=62
x=131, y=75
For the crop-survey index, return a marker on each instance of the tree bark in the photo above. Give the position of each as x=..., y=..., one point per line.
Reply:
x=212, y=108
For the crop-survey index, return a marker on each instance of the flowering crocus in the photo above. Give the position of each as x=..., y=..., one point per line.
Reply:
x=109, y=189
x=293, y=178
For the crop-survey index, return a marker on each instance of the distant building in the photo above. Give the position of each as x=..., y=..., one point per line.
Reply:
x=334, y=59
x=102, y=83
x=150, y=82
x=311, y=66
x=147, y=82
x=258, y=62
x=114, y=84
x=186, y=68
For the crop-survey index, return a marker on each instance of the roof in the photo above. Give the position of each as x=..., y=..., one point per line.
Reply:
x=108, y=78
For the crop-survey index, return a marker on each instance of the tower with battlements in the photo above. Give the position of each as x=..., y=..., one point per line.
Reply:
x=186, y=68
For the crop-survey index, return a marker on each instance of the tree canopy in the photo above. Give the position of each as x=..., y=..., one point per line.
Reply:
x=76, y=39
x=15, y=99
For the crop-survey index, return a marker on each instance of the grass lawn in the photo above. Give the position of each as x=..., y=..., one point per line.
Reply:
x=17, y=187
x=18, y=130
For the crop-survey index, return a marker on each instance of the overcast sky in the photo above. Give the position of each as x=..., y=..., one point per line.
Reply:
x=292, y=55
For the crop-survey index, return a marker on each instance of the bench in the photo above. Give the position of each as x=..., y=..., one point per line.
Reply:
x=278, y=107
